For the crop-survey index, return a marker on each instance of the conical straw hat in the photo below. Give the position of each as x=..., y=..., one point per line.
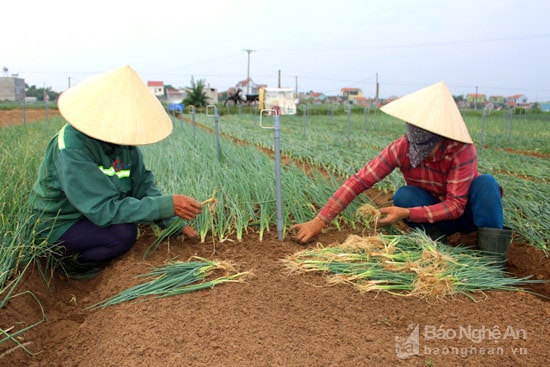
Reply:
x=116, y=107
x=432, y=108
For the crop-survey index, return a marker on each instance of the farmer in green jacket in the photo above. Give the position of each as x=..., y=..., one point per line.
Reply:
x=93, y=188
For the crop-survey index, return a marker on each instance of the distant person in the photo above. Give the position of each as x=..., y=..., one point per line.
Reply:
x=93, y=187
x=444, y=191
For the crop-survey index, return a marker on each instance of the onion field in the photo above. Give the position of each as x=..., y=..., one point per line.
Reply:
x=224, y=156
x=320, y=146
x=515, y=150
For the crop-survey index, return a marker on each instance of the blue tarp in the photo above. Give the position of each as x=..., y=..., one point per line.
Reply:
x=176, y=107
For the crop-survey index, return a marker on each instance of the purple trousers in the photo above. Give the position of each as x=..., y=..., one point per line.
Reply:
x=95, y=244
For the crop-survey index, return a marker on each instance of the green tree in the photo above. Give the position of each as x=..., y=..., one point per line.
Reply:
x=39, y=93
x=196, y=95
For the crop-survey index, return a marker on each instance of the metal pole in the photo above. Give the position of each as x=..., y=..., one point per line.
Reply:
x=193, y=118
x=331, y=113
x=24, y=112
x=365, y=114
x=482, y=128
x=277, y=137
x=46, y=99
x=509, y=123
x=217, y=125
x=305, y=119
x=349, y=123
x=376, y=98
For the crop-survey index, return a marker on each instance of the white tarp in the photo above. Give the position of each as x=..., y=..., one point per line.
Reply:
x=278, y=98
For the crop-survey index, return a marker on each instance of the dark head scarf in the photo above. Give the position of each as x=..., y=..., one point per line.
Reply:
x=421, y=143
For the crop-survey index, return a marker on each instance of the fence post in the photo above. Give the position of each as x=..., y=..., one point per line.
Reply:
x=47, y=111
x=193, y=118
x=305, y=119
x=217, y=128
x=277, y=146
x=277, y=138
x=24, y=112
x=482, y=128
x=366, y=111
x=349, y=123
x=509, y=127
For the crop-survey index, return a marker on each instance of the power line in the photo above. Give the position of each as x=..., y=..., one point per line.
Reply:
x=413, y=45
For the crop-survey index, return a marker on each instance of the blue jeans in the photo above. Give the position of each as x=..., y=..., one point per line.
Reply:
x=95, y=244
x=483, y=209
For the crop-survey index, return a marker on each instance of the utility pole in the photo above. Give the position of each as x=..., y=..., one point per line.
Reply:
x=377, y=91
x=248, y=71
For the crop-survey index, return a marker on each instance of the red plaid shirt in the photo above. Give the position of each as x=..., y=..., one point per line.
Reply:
x=447, y=175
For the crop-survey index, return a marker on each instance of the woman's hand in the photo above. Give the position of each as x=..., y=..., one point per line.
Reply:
x=186, y=207
x=190, y=234
x=306, y=231
x=392, y=214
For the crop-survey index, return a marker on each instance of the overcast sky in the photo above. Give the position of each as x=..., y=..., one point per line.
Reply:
x=494, y=47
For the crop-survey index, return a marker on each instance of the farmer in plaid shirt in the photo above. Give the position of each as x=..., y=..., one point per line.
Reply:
x=444, y=191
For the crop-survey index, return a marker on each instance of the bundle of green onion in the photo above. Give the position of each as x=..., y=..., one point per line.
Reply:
x=177, y=278
x=409, y=264
x=174, y=228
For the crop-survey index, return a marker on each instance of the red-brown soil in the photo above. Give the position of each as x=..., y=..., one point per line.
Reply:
x=274, y=318
x=16, y=116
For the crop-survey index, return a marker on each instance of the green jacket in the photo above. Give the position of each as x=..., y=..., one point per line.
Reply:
x=81, y=177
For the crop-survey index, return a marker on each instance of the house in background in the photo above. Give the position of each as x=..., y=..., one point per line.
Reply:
x=250, y=86
x=316, y=98
x=156, y=87
x=12, y=89
x=361, y=101
x=516, y=100
x=497, y=100
x=389, y=99
x=351, y=93
x=211, y=94
x=174, y=95
x=478, y=98
x=334, y=99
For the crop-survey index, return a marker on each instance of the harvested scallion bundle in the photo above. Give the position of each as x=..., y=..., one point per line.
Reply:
x=409, y=264
x=369, y=215
x=177, y=278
